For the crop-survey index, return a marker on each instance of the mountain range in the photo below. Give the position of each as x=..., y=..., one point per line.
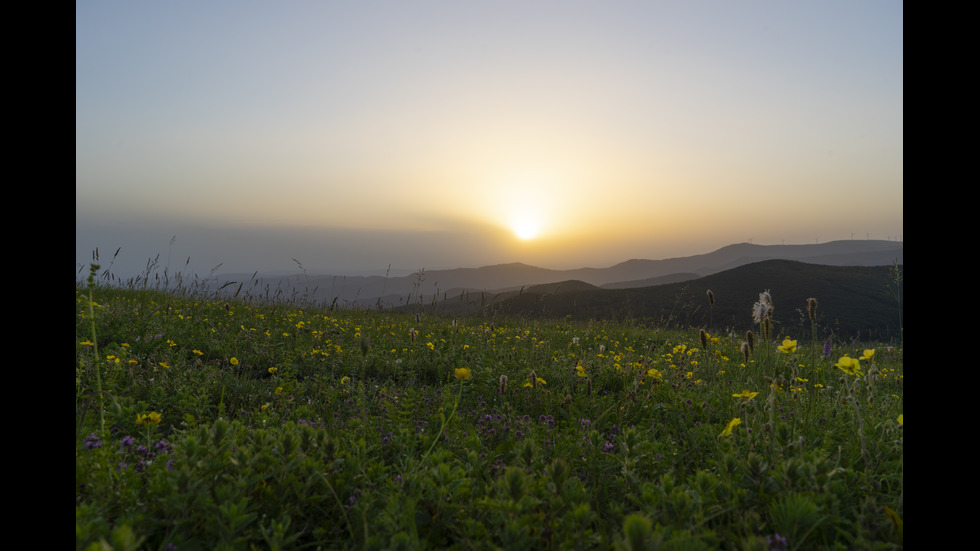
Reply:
x=493, y=285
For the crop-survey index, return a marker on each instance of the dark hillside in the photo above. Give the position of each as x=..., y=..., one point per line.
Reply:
x=851, y=299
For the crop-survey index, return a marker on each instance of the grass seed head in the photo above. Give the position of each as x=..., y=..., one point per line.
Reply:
x=811, y=308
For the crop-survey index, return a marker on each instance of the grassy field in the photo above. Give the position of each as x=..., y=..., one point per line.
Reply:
x=211, y=423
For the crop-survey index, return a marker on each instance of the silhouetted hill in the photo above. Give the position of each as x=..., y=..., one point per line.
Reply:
x=651, y=281
x=851, y=299
x=482, y=284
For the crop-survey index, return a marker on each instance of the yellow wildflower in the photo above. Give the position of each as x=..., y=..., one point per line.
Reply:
x=152, y=418
x=731, y=426
x=197, y=352
x=788, y=346
x=868, y=354
x=233, y=361
x=901, y=419
x=462, y=373
x=747, y=394
x=655, y=374
x=850, y=366
x=539, y=380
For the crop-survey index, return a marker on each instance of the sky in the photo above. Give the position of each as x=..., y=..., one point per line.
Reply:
x=347, y=137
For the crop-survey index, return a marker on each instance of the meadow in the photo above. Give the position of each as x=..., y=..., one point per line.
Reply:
x=204, y=421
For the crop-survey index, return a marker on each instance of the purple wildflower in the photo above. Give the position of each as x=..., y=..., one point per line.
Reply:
x=93, y=441
x=777, y=542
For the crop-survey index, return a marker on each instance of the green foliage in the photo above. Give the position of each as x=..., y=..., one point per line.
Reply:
x=240, y=425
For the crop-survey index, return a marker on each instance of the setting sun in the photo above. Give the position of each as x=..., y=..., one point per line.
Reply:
x=526, y=229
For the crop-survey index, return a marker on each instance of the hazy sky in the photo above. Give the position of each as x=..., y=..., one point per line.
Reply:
x=354, y=135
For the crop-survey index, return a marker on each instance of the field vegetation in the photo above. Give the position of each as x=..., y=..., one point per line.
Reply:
x=204, y=421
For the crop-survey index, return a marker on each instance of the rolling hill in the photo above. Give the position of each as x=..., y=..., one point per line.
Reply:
x=853, y=300
x=493, y=282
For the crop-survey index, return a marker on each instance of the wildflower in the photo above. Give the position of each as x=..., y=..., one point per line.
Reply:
x=777, y=542
x=868, y=354
x=197, y=352
x=93, y=441
x=87, y=343
x=850, y=366
x=273, y=369
x=826, y=348
x=788, y=346
x=703, y=335
x=745, y=350
x=462, y=373
x=502, y=388
x=152, y=418
x=164, y=364
x=901, y=419
x=750, y=340
x=534, y=380
x=580, y=369
x=747, y=394
x=655, y=374
x=731, y=426
x=344, y=379
x=233, y=361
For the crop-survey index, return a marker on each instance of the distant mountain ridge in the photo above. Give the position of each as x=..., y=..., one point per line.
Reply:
x=428, y=286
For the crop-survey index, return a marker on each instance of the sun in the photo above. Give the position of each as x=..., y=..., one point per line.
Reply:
x=526, y=230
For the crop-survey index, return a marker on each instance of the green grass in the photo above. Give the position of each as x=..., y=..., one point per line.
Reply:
x=289, y=426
